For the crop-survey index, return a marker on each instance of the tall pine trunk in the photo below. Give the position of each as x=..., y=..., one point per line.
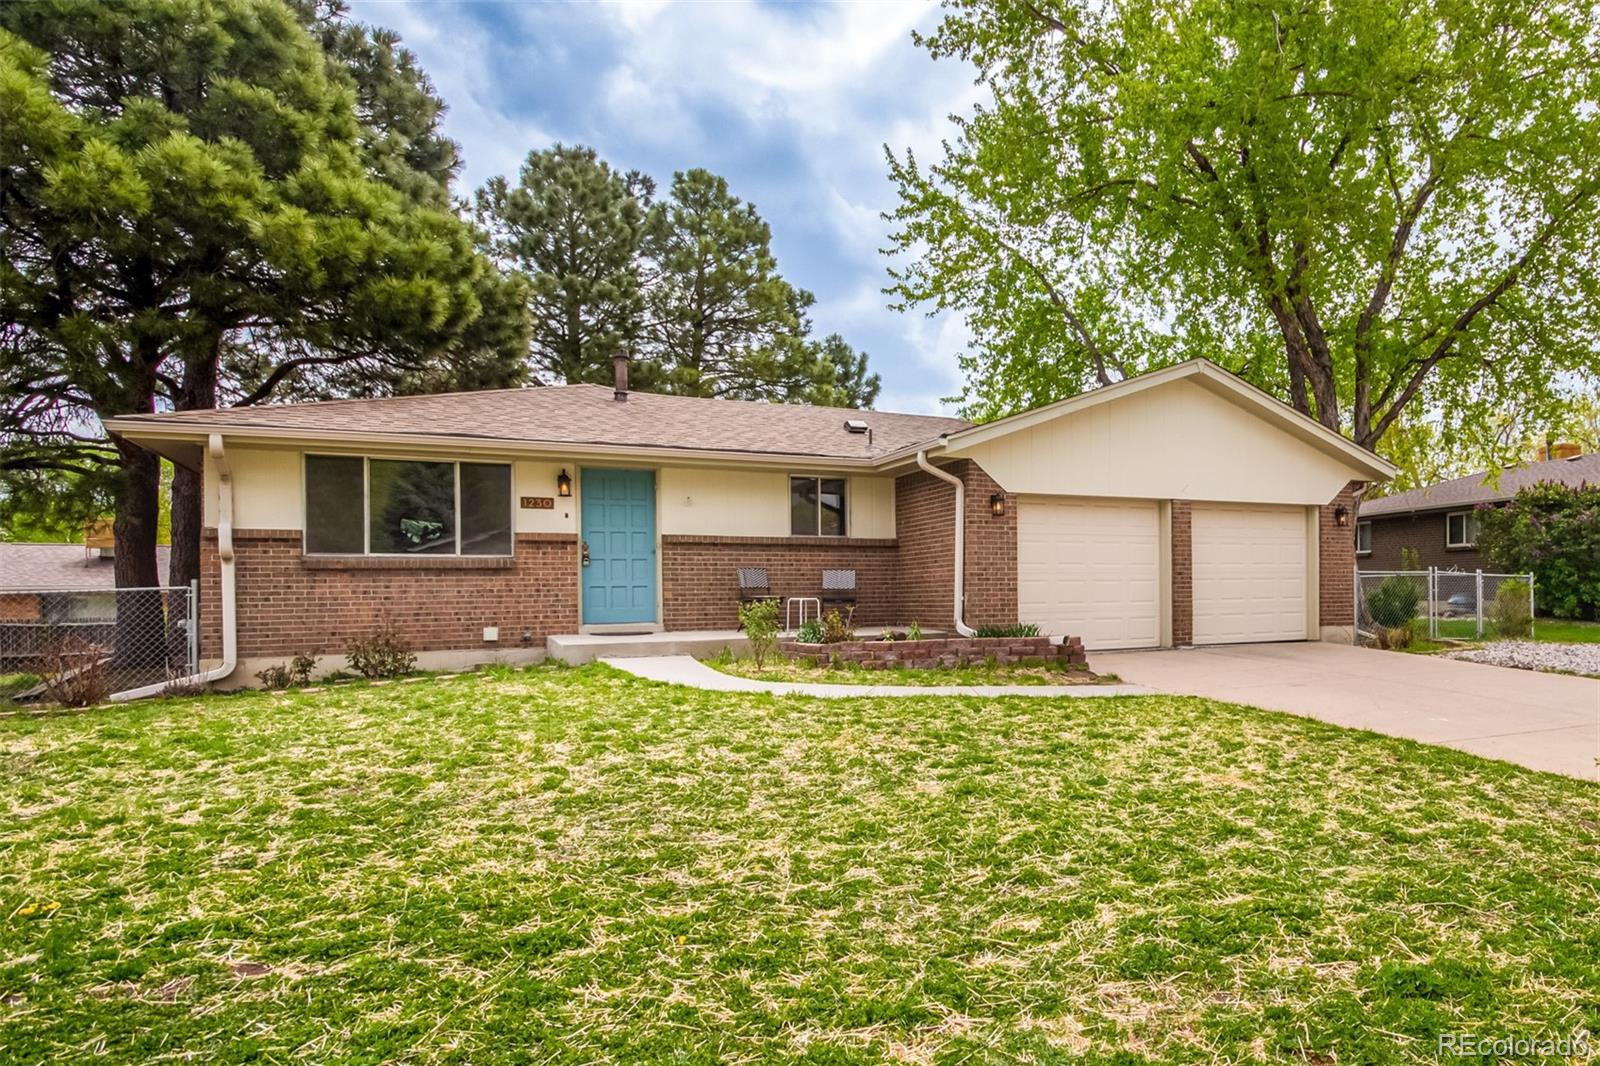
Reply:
x=188, y=501
x=141, y=623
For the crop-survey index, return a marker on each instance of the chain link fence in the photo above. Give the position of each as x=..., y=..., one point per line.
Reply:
x=1444, y=604
x=82, y=645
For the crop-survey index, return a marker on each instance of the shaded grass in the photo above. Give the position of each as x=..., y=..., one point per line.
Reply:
x=578, y=866
x=1552, y=630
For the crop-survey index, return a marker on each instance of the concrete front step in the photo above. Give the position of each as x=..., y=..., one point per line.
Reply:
x=579, y=648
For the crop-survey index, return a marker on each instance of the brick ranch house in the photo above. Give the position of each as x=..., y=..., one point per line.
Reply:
x=1440, y=522
x=1183, y=506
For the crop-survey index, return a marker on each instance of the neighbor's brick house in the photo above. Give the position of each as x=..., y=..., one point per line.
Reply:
x=481, y=524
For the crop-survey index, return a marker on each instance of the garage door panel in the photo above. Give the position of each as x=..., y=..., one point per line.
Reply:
x=1090, y=569
x=1249, y=577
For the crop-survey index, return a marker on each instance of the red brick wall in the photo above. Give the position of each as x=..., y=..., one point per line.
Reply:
x=925, y=525
x=1336, y=571
x=1182, y=573
x=700, y=589
x=288, y=603
x=1423, y=532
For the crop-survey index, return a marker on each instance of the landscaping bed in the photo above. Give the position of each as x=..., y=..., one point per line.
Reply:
x=1536, y=655
x=938, y=652
x=571, y=865
x=1021, y=672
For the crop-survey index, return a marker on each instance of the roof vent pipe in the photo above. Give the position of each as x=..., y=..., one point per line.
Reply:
x=961, y=542
x=619, y=371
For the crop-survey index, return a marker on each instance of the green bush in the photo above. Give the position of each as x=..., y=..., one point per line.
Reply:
x=1016, y=629
x=1394, y=602
x=838, y=628
x=1553, y=532
x=759, y=620
x=1508, y=611
x=382, y=654
x=810, y=632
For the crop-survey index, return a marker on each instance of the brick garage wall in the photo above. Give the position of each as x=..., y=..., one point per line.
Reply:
x=1425, y=533
x=1182, y=573
x=1336, y=569
x=924, y=523
x=700, y=589
x=289, y=603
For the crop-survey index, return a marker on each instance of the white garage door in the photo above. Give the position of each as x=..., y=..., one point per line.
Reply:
x=1091, y=569
x=1249, y=574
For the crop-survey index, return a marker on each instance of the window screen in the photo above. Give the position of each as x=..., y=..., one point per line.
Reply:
x=333, y=505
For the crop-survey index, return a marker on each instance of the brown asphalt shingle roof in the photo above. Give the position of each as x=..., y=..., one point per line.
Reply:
x=589, y=414
x=61, y=566
x=1480, y=488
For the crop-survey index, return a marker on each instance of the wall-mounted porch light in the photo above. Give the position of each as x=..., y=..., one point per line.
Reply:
x=997, y=504
x=563, y=484
x=1341, y=515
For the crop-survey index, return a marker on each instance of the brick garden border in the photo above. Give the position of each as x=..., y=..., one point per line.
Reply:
x=940, y=652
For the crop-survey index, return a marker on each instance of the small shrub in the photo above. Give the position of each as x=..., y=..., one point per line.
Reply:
x=1508, y=611
x=914, y=631
x=75, y=672
x=1017, y=629
x=383, y=654
x=273, y=677
x=1394, y=602
x=838, y=628
x=300, y=668
x=810, y=632
x=759, y=619
x=1399, y=638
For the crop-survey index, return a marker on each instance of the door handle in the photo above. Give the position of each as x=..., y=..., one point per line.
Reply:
x=585, y=553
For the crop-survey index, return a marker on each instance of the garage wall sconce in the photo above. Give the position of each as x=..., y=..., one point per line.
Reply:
x=997, y=504
x=1341, y=515
x=563, y=484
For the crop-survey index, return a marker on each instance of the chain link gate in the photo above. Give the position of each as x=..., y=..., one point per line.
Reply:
x=95, y=639
x=1445, y=604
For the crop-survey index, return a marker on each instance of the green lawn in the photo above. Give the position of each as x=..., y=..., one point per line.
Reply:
x=1554, y=630
x=780, y=668
x=575, y=866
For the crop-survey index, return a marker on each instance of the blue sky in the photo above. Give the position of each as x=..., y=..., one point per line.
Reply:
x=792, y=103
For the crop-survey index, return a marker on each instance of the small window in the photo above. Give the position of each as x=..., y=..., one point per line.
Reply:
x=817, y=506
x=1363, y=538
x=1460, y=529
x=358, y=506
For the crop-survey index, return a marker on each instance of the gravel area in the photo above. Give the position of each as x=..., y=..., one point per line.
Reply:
x=1527, y=655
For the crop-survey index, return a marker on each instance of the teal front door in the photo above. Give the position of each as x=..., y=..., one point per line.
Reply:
x=619, y=546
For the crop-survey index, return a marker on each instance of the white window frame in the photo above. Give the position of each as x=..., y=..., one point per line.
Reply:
x=1469, y=539
x=1367, y=526
x=849, y=492
x=366, y=507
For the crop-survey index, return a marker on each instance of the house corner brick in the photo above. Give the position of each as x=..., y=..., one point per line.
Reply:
x=1182, y=573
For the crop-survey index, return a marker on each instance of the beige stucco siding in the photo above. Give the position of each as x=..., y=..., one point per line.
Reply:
x=269, y=494
x=755, y=503
x=1178, y=441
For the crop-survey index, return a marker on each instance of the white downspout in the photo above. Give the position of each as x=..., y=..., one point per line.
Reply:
x=961, y=541
x=230, y=631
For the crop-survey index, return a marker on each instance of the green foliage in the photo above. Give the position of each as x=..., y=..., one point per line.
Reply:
x=1509, y=612
x=1394, y=602
x=1410, y=559
x=914, y=631
x=759, y=620
x=1372, y=209
x=1397, y=637
x=574, y=228
x=810, y=631
x=202, y=206
x=381, y=654
x=838, y=628
x=1016, y=629
x=1553, y=532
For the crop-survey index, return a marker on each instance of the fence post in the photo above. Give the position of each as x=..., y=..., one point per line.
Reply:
x=1531, y=622
x=1478, y=596
x=1433, y=588
x=194, y=625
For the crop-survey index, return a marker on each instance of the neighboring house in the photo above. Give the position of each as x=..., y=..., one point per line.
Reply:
x=1440, y=522
x=1183, y=506
x=46, y=586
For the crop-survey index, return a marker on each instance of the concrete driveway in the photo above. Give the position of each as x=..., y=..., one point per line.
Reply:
x=1544, y=721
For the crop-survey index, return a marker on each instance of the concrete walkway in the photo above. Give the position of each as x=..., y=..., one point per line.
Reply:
x=686, y=670
x=1543, y=721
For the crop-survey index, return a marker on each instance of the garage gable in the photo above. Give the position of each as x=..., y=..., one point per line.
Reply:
x=1193, y=432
